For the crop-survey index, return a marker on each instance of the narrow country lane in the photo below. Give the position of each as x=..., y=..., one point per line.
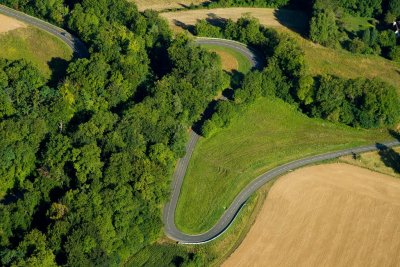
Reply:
x=169, y=210
x=73, y=42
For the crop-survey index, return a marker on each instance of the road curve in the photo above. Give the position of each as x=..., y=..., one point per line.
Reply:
x=230, y=214
x=73, y=42
x=169, y=210
x=243, y=49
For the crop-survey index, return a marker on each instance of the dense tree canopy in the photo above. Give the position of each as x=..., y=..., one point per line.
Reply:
x=86, y=166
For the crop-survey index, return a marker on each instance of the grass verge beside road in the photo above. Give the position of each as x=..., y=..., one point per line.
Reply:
x=213, y=253
x=46, y=52
x=228, y=56
x=267, y=135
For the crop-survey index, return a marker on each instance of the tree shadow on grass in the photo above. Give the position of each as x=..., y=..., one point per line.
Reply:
x=389, y=156
x=216, y=20
x=207, y=114
x=58, y=67
x=187, y=27
x=294, y=20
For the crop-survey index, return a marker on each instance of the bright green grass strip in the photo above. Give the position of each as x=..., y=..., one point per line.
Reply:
x=45, y=51
x=244, y=64
x=268, y=134
x=354, y=24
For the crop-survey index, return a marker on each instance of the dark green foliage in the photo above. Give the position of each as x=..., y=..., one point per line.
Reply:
x=255, y=3
x=328, y=15
x=246, y=30
x=395, y=53
x=323, y=28
x=166, y=255
x=203, y=28
x=358, y=46
x=52, y=10
x=86, y=166
x=360, y=102
x=392, y=11
x=364, y=8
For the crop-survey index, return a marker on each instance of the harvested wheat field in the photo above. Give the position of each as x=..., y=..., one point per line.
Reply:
x=9, y=24
x=165, y=4
x=326, y=215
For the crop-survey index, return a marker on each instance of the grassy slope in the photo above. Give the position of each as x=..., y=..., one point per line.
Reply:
x=244, y=64
x=37, y=47
x=268, y=134
x=339, y=62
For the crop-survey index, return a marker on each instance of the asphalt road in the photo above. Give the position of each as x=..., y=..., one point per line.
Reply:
x=169, y=210
x=246, y=51
x=230, y=214
x=76, y=45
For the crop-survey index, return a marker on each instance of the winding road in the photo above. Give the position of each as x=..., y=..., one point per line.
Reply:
x=73, y=42
x=169, y=210
x=230, y=213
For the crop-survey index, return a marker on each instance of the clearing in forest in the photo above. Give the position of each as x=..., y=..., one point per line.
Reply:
x=326, y=215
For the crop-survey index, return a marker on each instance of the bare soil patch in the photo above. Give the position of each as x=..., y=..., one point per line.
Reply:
x=326, y=215
x=165, y=4
x=9, y=24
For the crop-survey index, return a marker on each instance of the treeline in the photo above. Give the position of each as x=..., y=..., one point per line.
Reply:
x=326, y=26
x=246, y=30
x=248, y=3
x=54, y=11
x=359, y=102
x=86, y=165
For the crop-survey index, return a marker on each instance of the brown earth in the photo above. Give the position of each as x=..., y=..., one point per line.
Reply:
x=326, y=215
x=9, y=24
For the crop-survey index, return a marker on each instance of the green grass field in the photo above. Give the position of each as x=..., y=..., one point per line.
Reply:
x=45, y=51
x=268, y=134
x=244, y=64
x=354, y=24
x=342, y=63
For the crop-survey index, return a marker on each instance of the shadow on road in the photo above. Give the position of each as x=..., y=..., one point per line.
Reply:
x=388, y=155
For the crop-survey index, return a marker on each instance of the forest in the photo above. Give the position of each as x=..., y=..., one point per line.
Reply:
x=87, y=163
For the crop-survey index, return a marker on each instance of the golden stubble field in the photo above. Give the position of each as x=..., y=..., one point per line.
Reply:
x=9, y=24
x=165, y=4
x=326, y=215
